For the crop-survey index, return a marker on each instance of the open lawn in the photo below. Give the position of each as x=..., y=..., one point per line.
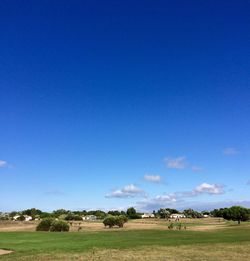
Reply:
x=232, y=242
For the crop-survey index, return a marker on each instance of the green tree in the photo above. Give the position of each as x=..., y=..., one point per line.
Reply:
x=164, y=213
x=109, y=221
x=190, y=213
x=131, y=213
x=59, y=226
x=45, y=224
x=236, y=213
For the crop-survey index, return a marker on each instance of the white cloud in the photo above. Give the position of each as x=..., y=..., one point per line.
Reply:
x=157, y=202
x=129, y=191
x=211, y=189
x=230, y=151
x=197, y=169
x=176, y=163
x=153, y=178
x=3, y=163
x=166, y=198
x=179, y=198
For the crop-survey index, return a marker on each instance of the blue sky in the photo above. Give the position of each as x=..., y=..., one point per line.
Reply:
x=110, y=104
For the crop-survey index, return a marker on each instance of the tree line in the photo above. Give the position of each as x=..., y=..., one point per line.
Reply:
x=236, y=213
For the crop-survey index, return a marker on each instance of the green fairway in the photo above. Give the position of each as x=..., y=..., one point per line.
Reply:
x=32, y=244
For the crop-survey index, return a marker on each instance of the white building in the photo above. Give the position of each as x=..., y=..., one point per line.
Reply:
x=177, y=216
x=147, y=215
x=89, y=218
x=27, y=218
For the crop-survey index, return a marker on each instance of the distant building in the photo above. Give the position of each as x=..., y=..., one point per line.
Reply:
x=147, y=215
x=4, y=216
x=26, y=217
x=205, y=216
x=89, y=218
x=177, y=216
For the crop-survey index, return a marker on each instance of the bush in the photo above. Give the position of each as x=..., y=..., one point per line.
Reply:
x=59, y=226
x=120, y=220
x=111, y=221
x=45, y=224
x=73, y=217
x=171, y=226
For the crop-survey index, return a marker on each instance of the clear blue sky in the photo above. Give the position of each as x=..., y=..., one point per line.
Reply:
x=109, y=104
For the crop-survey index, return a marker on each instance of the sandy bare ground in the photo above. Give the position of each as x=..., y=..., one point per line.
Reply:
x=7, y=226
x=4, y=252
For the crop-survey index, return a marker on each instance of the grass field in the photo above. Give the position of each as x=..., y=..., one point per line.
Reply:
x=230, y=242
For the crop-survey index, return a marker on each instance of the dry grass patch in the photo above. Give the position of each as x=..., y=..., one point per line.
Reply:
x=7, y=226
x=208, y=252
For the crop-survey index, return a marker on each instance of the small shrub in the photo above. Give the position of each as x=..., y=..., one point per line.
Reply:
x=45, y=224
x=79, y=228
x=59, y=226
x=120, y=220
x=179, y=226
x=73, y=217
x=109, y=221
x=171, y=226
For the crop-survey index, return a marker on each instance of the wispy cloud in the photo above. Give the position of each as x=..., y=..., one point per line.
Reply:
x=177, y=198
x=55, y=192
x=3, y=163
x=230, y=151
x=157, y=202
x=197, y=169
x=129, y=191
x=176, y=163
x=153, y=178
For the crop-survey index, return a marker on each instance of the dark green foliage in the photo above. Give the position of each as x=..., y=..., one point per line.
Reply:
x=59, y=226
x=112, y=221
x=109, y=221
x=60, y=212
x=131, y=213
x=236, y=213
x=98, y=213
x=120, y=220
x=190, y=213
x=218, y=212
x=33, y=212
x=205, y=212
x=45, y=224
x=114, y=213
x=163, y=213
x=21, y=218
x=46, y=215
x=179, y=226
x=13, y=213
x=171, y=226
x=73, y=217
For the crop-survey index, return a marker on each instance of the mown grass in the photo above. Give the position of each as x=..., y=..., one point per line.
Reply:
x=32, y=244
